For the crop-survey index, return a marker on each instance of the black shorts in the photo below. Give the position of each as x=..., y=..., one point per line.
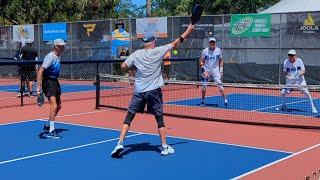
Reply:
x=152, y=98
x=51, y=87
x=28, y=75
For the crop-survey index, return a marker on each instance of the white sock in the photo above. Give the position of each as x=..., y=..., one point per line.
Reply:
x=164, y=146
x=308, y=95
x=120, y=143
x=51, y=128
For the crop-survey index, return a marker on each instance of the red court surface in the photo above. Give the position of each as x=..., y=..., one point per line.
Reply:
x=304, y=144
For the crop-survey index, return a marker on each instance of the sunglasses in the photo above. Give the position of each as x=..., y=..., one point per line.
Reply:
x=212, y=42
x=291, y=55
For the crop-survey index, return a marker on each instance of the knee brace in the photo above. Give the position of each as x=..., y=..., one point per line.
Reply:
x=129, y=118
x=160, y=121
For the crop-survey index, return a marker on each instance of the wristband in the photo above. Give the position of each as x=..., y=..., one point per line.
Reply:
x=181, y=38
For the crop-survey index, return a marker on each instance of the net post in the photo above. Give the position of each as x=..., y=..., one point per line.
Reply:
x=97, y=83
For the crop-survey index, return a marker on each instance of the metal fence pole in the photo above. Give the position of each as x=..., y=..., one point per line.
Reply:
x=280, y=41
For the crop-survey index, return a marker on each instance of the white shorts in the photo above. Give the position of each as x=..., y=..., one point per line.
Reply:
x=215, y=76
x=289, y=88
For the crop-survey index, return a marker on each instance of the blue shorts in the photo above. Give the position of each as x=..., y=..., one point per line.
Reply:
x=153, y=100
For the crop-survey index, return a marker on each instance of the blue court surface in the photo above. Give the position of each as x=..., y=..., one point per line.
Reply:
x=84, y=153
x=249, y=102
x=65, y=88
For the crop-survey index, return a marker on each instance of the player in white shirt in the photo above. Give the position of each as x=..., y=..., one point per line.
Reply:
x=294, y=71
x=148, y=83
x=211, y=63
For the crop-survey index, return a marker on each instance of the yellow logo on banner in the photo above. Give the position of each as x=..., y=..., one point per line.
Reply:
x=309, y=21
x=90, y=28
x=309, y=25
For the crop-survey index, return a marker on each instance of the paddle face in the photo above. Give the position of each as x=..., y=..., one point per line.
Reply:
x=40, y=99
x=196, y=13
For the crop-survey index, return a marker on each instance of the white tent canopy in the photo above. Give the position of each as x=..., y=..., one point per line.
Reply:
x=286, y=6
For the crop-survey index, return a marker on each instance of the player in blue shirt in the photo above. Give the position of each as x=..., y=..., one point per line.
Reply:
x=48, y=80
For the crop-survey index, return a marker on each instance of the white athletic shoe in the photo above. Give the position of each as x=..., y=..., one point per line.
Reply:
x=314, y=110
x=117, y=150
x=166, y=149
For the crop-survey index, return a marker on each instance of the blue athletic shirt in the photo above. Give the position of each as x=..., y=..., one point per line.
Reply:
x=52, y=66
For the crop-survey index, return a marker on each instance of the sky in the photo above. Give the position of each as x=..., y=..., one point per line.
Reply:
x=139, y=2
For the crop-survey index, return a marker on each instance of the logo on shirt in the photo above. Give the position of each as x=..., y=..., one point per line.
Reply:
x=89, y=28
x=294, y=69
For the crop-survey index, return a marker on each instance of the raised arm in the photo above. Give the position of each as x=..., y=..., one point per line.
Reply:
x=183, y=36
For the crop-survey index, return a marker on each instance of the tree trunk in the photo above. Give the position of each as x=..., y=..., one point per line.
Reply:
x=148, y=8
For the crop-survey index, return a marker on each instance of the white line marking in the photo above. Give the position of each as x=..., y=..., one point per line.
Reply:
x=275, y=162
x=215, y=142
x=83, y=113
x=66, y=115
x=240, y=110
x=17, y=122
x=62, y=150
x=295, y=102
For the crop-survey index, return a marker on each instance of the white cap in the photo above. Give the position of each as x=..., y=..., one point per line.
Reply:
x=212, y=39
x=148, y=37
x=28, y=41
x=59, y=42
x=292, y=51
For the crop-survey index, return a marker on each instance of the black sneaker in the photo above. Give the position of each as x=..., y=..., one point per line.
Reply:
x=202, y=104
x=30, y=94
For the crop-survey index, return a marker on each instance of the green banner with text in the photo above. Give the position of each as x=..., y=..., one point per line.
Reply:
x=250, y=25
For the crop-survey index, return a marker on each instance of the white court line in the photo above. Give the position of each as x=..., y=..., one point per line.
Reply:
x=66, y=149
x=179, y=137
x=17, y=122
x=295, y=102
x=66, y=115
x=138, y=133
x=240, y=110
x=275, y=162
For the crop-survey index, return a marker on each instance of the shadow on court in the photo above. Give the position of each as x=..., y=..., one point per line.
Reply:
x=42, y=135
x=145, y=146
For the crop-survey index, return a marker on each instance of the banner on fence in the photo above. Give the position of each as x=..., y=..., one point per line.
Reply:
x=92, y=31
x=204, y=27
x=52, y=31
x=303, y=23
x=250, y=25
x=158, y=26
x=23, y=32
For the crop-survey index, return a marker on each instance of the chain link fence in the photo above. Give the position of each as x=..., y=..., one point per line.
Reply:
x=255, y=60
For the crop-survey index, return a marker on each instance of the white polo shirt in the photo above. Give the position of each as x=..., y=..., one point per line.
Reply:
x=148, y=63
x=211, y=59
x=291, y=69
